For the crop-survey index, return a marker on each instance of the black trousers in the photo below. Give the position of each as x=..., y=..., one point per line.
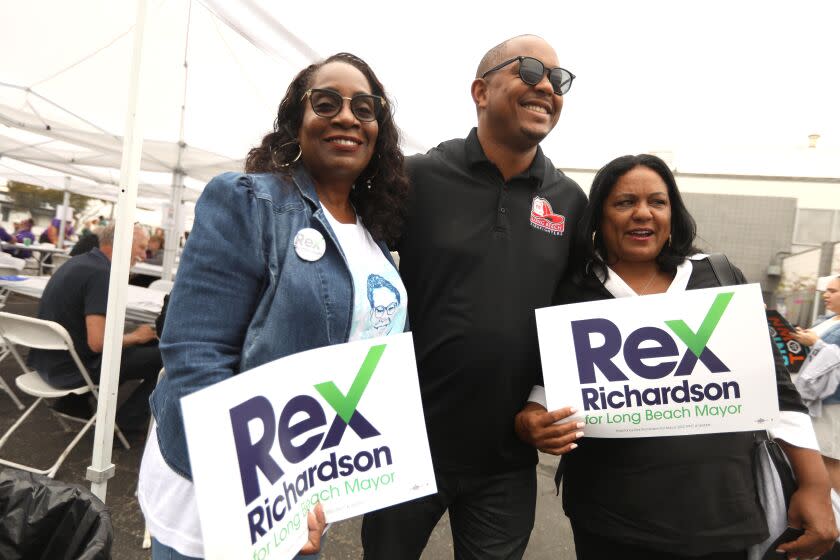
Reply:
x=491, y=518
x=589, y=546
x=141, y=362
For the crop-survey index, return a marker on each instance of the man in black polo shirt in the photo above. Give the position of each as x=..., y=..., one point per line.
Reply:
x=486, y=242
x=76, y=297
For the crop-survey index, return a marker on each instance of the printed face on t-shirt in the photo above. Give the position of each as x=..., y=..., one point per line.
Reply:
x=383, y=307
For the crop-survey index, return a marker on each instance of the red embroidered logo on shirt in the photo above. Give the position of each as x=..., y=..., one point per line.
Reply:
x=543, y=218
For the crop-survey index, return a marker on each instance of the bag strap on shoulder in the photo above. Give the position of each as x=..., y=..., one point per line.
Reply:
x=722, y=269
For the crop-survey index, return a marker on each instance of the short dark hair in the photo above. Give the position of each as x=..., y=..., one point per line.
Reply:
x=375, y=281
x=381, y=206
x=589, y=245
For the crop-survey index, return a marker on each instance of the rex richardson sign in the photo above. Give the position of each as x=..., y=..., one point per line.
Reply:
x=341, y=425
x=692, y=362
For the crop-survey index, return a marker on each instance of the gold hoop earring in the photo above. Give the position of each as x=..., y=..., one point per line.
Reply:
x=280, y=147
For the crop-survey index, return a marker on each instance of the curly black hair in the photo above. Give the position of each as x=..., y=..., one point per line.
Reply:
x=380, y=207
x=589, y=245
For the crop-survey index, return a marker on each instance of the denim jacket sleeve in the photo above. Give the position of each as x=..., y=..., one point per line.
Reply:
x=220, y=278
x=832, y=336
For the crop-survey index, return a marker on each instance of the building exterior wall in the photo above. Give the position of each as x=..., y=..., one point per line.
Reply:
x=751, y=230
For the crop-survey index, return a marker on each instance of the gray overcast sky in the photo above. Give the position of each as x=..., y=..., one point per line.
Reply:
x=695, y=78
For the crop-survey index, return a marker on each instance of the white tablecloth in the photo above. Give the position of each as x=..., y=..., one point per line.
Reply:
x=142, y=304
x=45, y=248
x=151, y=269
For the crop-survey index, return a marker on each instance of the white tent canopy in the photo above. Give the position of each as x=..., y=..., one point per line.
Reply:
x=57, y=145
x=716, y=85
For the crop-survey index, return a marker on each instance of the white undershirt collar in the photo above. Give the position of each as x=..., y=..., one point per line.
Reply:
x=619, y=288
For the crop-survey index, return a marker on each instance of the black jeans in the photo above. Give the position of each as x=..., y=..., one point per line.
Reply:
x=589, y=546
x=491, y=518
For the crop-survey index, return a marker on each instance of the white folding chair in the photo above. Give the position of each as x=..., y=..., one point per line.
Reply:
x=162, y=285
x=4, y=352
x=46, y=335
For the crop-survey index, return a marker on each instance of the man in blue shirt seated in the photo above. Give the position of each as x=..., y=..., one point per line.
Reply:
x=76, y=297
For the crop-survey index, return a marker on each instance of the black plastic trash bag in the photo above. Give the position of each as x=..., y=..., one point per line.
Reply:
x=45, y=519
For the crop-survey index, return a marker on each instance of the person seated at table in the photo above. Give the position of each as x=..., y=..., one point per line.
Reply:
x=23, y=231
x=50, y=235
x=6, y=236
x=154, y=254
x=87, y=241
x=90, y=226
x=76, y=297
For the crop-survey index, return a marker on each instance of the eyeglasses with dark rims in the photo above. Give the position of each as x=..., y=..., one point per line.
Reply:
x=328, y=103
x=531, y=71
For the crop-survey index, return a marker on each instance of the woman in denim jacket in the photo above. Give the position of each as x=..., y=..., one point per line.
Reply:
x=826, y=331
x=288, y=257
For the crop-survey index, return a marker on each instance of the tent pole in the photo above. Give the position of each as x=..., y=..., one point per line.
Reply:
x=65, y=204
x=176, y=200
x=101, y=468
x=175, y=227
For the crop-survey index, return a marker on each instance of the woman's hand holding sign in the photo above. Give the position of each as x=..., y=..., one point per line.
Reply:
x=810, y=506
x=538, y=427
x=316, y=522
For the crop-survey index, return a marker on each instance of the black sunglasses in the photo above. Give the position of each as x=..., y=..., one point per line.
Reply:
x=531, y=71
x=327, y=103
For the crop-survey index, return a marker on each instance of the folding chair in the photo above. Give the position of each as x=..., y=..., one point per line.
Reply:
x=4, y=351
x=46, y=335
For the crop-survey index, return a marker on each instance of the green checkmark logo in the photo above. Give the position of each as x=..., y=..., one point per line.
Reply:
x=696, y=342
x=345, y=405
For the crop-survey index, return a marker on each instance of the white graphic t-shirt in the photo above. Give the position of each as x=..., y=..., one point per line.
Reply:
x=380, y=305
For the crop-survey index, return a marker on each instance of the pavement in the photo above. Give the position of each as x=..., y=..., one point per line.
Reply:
x=41, y=438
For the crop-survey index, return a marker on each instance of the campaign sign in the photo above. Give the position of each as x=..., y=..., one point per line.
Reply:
x=341, y=425
x=792, y=352
x=695, y=362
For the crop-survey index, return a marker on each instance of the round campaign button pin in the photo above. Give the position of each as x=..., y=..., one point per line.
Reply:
x=310, y=244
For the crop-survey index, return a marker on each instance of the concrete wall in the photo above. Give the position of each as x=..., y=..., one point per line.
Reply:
x=749, y=219
x=751, y=230
x=809, y=193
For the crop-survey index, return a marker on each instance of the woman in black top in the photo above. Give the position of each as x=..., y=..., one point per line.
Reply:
x=666, y=497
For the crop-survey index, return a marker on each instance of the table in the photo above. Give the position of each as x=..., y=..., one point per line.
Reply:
x=142, y=304
x=43, y=251
x=151, y=269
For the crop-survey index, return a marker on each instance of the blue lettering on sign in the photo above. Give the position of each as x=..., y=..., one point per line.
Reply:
x=638, y=349
x=641, y=344
x=256, y=456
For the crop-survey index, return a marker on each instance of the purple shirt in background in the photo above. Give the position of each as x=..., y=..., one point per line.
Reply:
x=20, y=236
